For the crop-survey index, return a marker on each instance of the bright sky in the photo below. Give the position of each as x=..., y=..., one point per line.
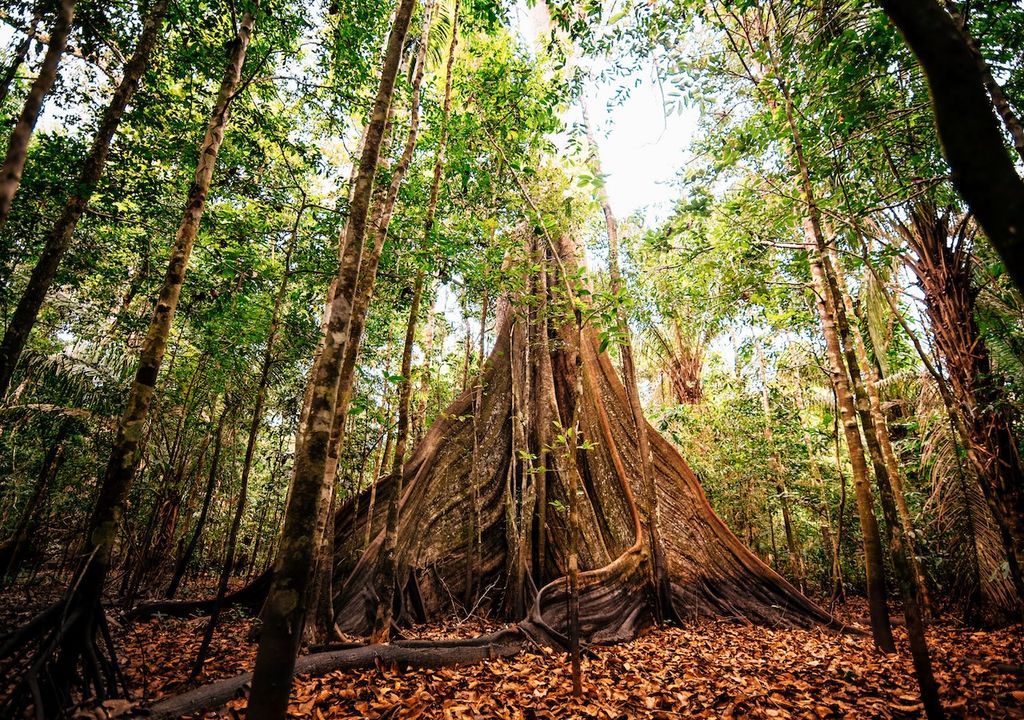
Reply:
x=642, y=149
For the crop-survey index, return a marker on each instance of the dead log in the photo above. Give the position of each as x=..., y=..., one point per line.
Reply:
x=250, y=598
x=416, y=654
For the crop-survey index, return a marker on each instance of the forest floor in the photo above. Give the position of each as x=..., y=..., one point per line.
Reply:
x=707, y=669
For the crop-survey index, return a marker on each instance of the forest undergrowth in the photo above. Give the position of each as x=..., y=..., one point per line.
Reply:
x=706, y=669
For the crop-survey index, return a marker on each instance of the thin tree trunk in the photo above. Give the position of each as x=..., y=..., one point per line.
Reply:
x=874, y=567
x=881, y=431
x=20, y=53
x=17, y=145
x=995, y=90
x=379, y=225
x=51, y=465
x=211, y=483
x=828, y=312
x=284, y=612
x=250, y=451
x=795, y=556
x=387, y=572
x=59, y=239
x=659, y=572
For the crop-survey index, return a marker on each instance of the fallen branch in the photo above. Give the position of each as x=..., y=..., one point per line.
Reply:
x=251, y=597
x=422, y=654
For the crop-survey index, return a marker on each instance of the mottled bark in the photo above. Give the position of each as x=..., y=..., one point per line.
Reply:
x=81, y=606
x=17, y=145
x=59, y=238
x=284, y=612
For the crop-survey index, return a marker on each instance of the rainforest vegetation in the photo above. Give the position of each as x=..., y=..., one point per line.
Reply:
x=333, y=385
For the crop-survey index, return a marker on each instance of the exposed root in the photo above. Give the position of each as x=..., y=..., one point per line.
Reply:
x=64, y=652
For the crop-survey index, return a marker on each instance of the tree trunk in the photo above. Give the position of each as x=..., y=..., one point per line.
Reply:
x=711, y=572
x=943, y=266
x=59, y=239
x=10, y=560
x=843, y=381
x=211, y=483
x=881, y=431
x=284, y=612
x=17, y=145
x=983, y=172
x=19, y=55
x=81, y=606
x=388, y=570
x=999, y=100
x=874, y=564
x=250, y=449
x=795, y=556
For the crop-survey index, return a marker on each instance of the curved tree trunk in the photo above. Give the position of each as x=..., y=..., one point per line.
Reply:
x=59, y=239
x=983, y=172
x=17, y=145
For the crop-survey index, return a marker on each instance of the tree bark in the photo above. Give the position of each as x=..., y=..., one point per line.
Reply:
x=972, y=142
x=82, y=604
x=19, y=55
x=59, y=238
x=17, y=145
x=211, y=483
x=874, y=564
x=388, y=570
x=284, y=612
x=663, y=595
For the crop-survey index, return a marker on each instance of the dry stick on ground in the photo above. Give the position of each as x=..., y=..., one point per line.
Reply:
x=17, y=145
x=59, y=238
x=284, y=612
x=69, y=628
